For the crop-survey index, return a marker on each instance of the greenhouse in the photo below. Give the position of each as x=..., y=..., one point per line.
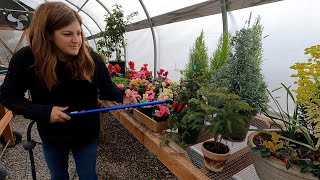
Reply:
x=196, y=89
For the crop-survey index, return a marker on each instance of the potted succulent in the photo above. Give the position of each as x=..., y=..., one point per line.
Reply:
x=241, y=73
x=293, y=150
x=113, y=40
x=225, y=113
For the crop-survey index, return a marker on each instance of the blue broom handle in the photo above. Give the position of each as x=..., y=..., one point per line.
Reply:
x=119, y=107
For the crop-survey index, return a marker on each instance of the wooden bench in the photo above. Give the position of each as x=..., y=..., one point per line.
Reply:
x=5, y=128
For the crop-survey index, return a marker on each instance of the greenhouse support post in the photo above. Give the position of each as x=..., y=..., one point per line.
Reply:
x=224, y=15
x=154, y=39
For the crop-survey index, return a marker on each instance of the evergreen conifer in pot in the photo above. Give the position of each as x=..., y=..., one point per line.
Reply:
x=225, y=112
x=193, y=76
x=242, y=74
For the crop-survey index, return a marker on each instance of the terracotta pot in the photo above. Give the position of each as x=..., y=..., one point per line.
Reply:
x=271, y=168
x=213, y=161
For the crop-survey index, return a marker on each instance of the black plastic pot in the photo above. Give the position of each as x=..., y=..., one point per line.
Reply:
x=189, y=136
x=239, y=134
x=147, y=110
x=160, y=119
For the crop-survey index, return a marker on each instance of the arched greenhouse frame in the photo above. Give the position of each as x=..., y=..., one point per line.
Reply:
x=220, y=60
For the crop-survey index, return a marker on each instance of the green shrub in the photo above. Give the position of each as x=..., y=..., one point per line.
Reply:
x=221, y=54
x=242, y=72
x=194, y=75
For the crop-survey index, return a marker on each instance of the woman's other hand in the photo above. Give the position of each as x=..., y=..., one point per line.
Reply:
x=58, y=114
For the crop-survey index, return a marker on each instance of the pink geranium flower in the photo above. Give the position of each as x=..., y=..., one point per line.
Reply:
x=120, y=86
x=163, y=111
x=151, y=95
x=136, y=94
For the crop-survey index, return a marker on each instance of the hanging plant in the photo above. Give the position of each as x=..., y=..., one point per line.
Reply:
x=113, y=35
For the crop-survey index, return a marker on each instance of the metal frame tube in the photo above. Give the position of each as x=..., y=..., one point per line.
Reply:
x=79, y=9
x=224, y=15
x=155, y=54
x=95, y=42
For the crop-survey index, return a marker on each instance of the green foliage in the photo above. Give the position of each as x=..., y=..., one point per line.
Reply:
x=221, y=54
x=242, y=72
x=194, y=75
x=308, y=92
x=299, y=128
x=275, y=146
x=196, y=72
x=294, y=143
x=291, y=123
x=309, y=165
x=225, y=111
x=290, y=153
x=198, y=59
x=113, y=35
x=120, y=80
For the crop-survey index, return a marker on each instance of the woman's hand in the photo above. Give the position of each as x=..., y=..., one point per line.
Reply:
x=58, y=114
x=128, y=97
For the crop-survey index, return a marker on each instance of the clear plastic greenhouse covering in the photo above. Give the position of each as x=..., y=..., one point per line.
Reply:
x=289, y=27
x=93, y=11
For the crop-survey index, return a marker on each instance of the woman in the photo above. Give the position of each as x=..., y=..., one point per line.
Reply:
x=62, y=75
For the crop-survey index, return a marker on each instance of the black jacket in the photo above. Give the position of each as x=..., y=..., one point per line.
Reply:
x=76, y=94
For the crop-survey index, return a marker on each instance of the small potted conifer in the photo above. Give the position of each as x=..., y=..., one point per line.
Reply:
x=224, y=112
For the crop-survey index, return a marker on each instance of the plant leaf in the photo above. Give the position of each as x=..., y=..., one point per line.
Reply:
x=306, y=169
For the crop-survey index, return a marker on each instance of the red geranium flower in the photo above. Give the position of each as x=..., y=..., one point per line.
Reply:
x=113, y=69
x=131, y=65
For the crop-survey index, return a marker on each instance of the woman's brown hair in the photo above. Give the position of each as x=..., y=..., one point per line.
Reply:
x=49, y=17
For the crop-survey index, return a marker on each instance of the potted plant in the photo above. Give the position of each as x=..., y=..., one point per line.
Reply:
x=120, y=81
x=113, y=40
x=162, y=112
x=294, y=149
x=225, y=113
x=282, y=150
x=117, y=77
x=241, y=73
x=142, y=86
x=146, y=88
x=193, y=76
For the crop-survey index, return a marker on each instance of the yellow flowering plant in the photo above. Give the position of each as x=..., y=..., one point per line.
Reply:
x=140, y=87
x=308, y=92
x=166, y=94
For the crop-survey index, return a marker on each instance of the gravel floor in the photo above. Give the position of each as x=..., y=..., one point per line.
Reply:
x=120, y=155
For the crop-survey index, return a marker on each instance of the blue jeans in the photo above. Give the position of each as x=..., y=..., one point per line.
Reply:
x=85, y=158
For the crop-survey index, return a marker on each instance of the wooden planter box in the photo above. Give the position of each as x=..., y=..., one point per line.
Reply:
x=149, y=122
